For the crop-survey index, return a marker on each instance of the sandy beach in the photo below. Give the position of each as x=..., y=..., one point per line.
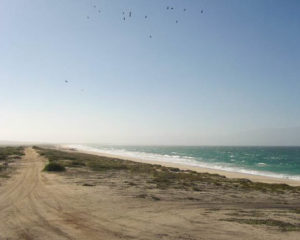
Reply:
x=101, y=198
x=228, y=174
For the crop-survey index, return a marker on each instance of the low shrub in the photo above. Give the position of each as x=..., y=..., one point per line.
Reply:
x=54, y=167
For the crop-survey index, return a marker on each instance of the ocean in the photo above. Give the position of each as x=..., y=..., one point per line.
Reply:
x=280, y=162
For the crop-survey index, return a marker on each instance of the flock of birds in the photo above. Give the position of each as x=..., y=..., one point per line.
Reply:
x=126, y=15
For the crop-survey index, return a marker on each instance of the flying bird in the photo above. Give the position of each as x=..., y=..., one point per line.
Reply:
x=150, y=36
x=124, y=18
x=130, y=14
x=168, y=7
x=176, y=21
x=87, y=17
x=184, y=10
x=66, y=81
x=201, y=11
x=146, y=16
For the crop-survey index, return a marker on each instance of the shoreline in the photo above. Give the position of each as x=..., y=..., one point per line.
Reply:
x=228, y=174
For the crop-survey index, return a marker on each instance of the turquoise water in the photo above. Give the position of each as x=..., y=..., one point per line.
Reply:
x=282, y=162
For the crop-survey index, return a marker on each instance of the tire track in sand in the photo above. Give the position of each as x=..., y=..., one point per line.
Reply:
x=33, y=208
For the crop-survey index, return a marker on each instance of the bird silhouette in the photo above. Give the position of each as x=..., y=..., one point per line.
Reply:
x=66, y=81
x=129, y=14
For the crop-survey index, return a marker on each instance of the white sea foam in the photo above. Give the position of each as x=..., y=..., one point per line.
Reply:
x=183, y=160
x=261, y=164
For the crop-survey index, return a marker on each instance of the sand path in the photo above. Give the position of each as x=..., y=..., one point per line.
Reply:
x=32, y=207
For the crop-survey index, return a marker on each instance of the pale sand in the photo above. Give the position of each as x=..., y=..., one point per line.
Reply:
x=117, y=205
x=228, y=174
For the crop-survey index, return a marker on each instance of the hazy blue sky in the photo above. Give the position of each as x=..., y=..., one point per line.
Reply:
x=219, y=77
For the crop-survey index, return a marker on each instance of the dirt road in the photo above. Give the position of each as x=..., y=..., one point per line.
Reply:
x=33, y=207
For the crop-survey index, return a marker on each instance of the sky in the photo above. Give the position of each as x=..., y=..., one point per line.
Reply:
x=227, y=76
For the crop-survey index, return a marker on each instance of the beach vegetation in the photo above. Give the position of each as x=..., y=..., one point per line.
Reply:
x=161, y=176
x=8, y=155
x=155, y=198
x=143, y=195
x=54, y=167
x=88, y=185
x=296, y=210
x=250, y=213
x=283, y=226
x=2, y=167
x=11, y=152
